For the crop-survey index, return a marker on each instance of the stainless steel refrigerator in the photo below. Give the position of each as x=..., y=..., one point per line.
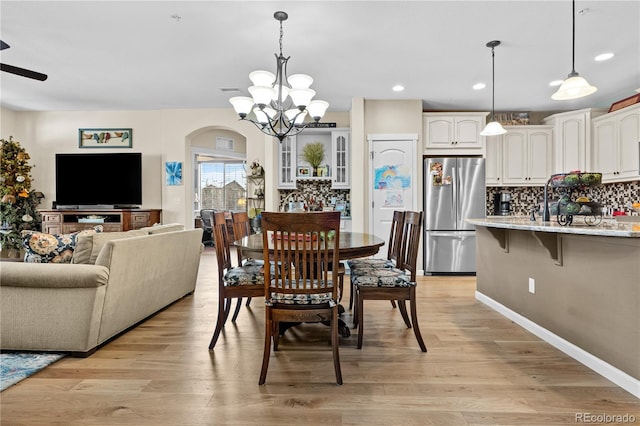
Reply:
x=454, y=190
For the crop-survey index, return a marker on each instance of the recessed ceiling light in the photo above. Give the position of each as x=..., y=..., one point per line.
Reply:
x=479, y=86
x=604, y=57
x=638, y=90
x=556, y=83
x=398, y=88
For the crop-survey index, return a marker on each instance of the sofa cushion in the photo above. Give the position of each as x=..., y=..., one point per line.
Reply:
x=52, y=248
x=88, y=246
x=158, y=229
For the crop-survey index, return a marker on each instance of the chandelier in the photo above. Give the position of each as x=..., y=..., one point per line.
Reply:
x=279, y=103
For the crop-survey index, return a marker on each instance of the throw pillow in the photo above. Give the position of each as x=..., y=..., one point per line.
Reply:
x=52, y=248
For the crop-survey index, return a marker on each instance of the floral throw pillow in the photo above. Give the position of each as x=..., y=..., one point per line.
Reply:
x=52, y=248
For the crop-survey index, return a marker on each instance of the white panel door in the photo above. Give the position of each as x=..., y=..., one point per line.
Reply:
x=393, y=179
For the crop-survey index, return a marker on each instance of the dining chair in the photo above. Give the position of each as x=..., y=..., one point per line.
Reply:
x=397, y=284
x=241, y=229
x=303, y=246
x=233, y=282
x=393, y=253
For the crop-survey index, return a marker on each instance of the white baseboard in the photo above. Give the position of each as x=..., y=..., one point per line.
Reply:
x=620, y=378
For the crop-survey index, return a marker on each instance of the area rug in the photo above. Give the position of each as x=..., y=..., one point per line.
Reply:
x=17, y=366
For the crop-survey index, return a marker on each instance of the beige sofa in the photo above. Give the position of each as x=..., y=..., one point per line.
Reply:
x=115, y=281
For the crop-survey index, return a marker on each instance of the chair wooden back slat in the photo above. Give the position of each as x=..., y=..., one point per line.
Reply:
x=303, y=250
x=221, y=236
x=412, y=227
x=241, y=229
x=395, y=237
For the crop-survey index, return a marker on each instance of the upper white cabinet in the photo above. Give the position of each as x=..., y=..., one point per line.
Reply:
x=445, y=130
x=340, y=159
x=616, y=140
x=287, y=163
x=493, y=161
x=526, y=155
x=571, y=136
x=336, y=149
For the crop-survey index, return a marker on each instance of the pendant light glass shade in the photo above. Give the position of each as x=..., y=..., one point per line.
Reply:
x=493, y=129
x=574, y=86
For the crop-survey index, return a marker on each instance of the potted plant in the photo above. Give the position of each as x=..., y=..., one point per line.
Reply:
x=313, y=154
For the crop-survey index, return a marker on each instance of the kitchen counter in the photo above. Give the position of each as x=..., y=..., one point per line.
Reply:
x=607, y=228
x=576, y=287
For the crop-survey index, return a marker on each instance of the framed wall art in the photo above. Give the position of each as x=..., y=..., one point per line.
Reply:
x=173, y=171
x=105, y=138
x=304, y=171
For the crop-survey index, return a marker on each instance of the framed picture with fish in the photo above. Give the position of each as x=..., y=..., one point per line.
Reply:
x=105, y=138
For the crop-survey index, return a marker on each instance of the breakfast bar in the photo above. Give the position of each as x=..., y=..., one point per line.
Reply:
x=576, y=287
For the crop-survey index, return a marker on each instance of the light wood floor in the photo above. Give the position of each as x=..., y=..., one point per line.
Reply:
x=481, y=369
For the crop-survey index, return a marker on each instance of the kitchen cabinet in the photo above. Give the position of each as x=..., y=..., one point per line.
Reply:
x=337, y=150
x=287, y=163
x=340, y=159
x=453, y=130
x=616, y=140
x=493, y=161
x=526, y=155
x=571, y=139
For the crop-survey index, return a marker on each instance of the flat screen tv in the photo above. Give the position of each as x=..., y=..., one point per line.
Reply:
x=110, y=180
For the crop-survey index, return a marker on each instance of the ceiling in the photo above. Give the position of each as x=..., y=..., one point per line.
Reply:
x=139, y=55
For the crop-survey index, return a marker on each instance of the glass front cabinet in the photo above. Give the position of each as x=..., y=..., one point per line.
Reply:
x=336, y=165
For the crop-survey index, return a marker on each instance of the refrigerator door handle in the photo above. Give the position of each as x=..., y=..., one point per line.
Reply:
x=454, y=200
x=455, y=235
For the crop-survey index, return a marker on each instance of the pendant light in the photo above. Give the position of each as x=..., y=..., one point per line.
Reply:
x=574, y=86
x=493, y=128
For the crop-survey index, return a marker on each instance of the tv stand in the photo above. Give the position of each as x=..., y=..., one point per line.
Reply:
x=113, y=220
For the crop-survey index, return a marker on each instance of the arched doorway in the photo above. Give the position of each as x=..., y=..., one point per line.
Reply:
x=218, y=167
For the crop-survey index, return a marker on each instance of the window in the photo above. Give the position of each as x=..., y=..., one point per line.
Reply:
x=221, y=184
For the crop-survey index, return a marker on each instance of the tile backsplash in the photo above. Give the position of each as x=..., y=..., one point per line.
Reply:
x=618, y=196
x=315, y=193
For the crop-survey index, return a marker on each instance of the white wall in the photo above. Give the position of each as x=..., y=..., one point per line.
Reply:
x=161, y=135
x=378, y=117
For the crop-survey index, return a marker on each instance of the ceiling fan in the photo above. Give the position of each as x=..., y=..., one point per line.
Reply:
x=20, y=71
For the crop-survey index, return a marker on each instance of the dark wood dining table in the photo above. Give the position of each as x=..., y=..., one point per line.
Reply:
x=352, y=245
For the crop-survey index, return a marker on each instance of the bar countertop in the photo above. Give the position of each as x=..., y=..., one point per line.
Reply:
x=607, y=228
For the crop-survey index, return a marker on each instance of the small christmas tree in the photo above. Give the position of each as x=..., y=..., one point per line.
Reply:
x=17, y=202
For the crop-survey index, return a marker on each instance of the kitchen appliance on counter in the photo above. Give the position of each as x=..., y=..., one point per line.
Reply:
x=502, y=203
x=454, y=191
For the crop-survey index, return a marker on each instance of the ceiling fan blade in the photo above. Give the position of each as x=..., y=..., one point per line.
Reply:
x=23, y=72
x=3, y=45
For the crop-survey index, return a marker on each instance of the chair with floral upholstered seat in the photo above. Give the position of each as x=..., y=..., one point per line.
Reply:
x=233, y=282
x=241, y=229
x=397, y=284
x=303, y=246
x=358, y=266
